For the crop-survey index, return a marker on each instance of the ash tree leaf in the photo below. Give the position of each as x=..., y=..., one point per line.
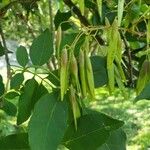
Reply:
x=81, y=6
x=39, y=91
x=11, y=95
x=25, y=101
x=116, y=141
x=41, y=48
x=15, y=142
x=31, y=94
x=48, y=123
x=100, y=6
x=54, y=78
x=61, y=17
x=9, y=108
x=16, y=81
x=90, y=4
x=115, y=124
x=99, y=71
x=145, y=93
x=68, y=39
x=93, y=131
x=2, y=87
x=22, y=56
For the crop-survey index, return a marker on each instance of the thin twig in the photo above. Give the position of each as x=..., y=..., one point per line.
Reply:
x=130, y=67
x=51, y=20
x=51, y=63
x=82, y=18
x=6, y=57
x=26, y=22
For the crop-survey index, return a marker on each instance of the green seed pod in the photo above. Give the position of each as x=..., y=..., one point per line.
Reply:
x=64, y=73
x=146, y=67
x=144, y=76
x=58, y=37
x=74, y=68
x=112, y=50
x=82, y=73
x=89, y=73
x=75, y=106
x=58, y=40
x=74, y=72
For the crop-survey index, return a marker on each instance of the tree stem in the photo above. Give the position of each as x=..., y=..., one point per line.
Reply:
x=82, y=18
x=130, y=67
x=6, y=57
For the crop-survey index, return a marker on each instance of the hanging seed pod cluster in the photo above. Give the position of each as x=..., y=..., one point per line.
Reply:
x=76, y=77
x=114, y=58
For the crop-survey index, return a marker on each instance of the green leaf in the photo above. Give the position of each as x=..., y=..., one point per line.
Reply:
x=120, y=10
x=54, y=78
x=2, y=52
x=99, y=71
x=15, y=142
x=39, y=91
x=31, y=94
x=99, y=4
x=115, y=124
x=9, y=108
x=25, y=101
x=93, y=129
x=22, y=56
x=68, y=39
x=48, y=123
x=11, y=95
x=145, y=93
x=133, y=13
x=3, y=3
x=144, y=76
x=90, y=4
x=2, y=87
x=61, y=18
x=137, y=45
x=41, y=48
x=61, y=5
x=81, y=5
x=116, y=141
x=16, y=81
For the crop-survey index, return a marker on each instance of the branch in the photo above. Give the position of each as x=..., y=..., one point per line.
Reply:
x=51, y=64
x=6, y=57
x=26, y=22
x=82, y=19
x=130, y=67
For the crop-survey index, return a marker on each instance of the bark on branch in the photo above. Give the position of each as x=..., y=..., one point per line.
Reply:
x=6, y=57
x=82, y=18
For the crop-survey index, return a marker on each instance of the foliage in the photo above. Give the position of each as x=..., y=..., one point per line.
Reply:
x=94, y=44
x=136, y=117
